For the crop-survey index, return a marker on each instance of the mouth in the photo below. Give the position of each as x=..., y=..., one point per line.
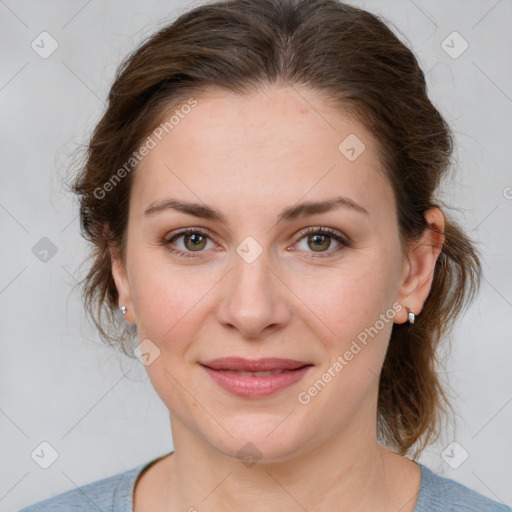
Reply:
x=255, y=378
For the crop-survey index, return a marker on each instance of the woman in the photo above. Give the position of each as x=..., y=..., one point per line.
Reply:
x=260, y=194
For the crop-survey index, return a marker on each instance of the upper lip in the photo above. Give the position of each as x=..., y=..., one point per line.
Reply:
x=254, y=365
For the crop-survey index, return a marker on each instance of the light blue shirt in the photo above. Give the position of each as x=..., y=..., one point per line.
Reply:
x=115, y=494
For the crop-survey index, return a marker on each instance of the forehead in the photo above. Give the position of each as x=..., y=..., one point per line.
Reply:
x=273, y=146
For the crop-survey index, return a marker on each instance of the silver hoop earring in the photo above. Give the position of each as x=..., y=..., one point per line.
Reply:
x=412, y=317
x=123, y=309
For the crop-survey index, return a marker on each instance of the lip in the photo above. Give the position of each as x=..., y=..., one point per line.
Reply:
x=254, y=365
x=226, y=372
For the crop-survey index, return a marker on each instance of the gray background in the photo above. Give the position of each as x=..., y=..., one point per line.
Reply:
x=99, y=411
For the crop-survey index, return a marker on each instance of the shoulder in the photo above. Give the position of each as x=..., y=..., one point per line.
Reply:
x=440, y=494
x=107, y=494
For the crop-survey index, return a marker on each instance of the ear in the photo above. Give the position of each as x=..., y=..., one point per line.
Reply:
x=418, y=270
x=122, y=284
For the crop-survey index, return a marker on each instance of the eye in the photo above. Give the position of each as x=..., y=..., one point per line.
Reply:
x=192, y=240
x=319, y=240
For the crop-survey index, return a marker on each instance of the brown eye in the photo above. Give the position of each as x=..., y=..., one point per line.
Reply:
x=325, y=242
x=319, y=243
x=194, y=241
x=188, y=242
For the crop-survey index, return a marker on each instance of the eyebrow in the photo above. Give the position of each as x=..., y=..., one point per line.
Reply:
x=288, y=214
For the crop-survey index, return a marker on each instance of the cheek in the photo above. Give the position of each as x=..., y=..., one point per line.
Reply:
x=168, y=305
x=353, y=307
x=167, y=300
x=348, y=299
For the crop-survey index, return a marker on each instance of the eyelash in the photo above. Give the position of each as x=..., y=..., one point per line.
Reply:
x=167, y=241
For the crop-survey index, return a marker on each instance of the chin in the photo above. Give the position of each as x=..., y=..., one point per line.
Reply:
x=262, y=441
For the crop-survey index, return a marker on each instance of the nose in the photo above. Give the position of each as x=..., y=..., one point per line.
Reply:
x=254, y=299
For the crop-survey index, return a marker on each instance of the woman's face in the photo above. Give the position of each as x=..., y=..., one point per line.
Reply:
x=259, y=276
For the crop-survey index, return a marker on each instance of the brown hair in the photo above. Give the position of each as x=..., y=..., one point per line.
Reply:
x=356, y=62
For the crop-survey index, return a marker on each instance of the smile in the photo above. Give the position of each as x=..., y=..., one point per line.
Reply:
x=255, y=379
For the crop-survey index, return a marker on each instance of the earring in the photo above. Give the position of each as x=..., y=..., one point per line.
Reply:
x=412, y=317
x=123, y=309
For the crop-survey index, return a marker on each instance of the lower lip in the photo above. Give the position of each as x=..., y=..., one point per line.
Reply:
x=254, y=386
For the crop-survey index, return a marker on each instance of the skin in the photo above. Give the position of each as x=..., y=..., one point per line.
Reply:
x=250, y=157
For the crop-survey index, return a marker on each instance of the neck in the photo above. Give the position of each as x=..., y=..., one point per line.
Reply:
x=345, y=472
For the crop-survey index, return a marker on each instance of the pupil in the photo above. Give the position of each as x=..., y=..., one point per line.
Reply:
x=195, y=239
x=318, y=240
